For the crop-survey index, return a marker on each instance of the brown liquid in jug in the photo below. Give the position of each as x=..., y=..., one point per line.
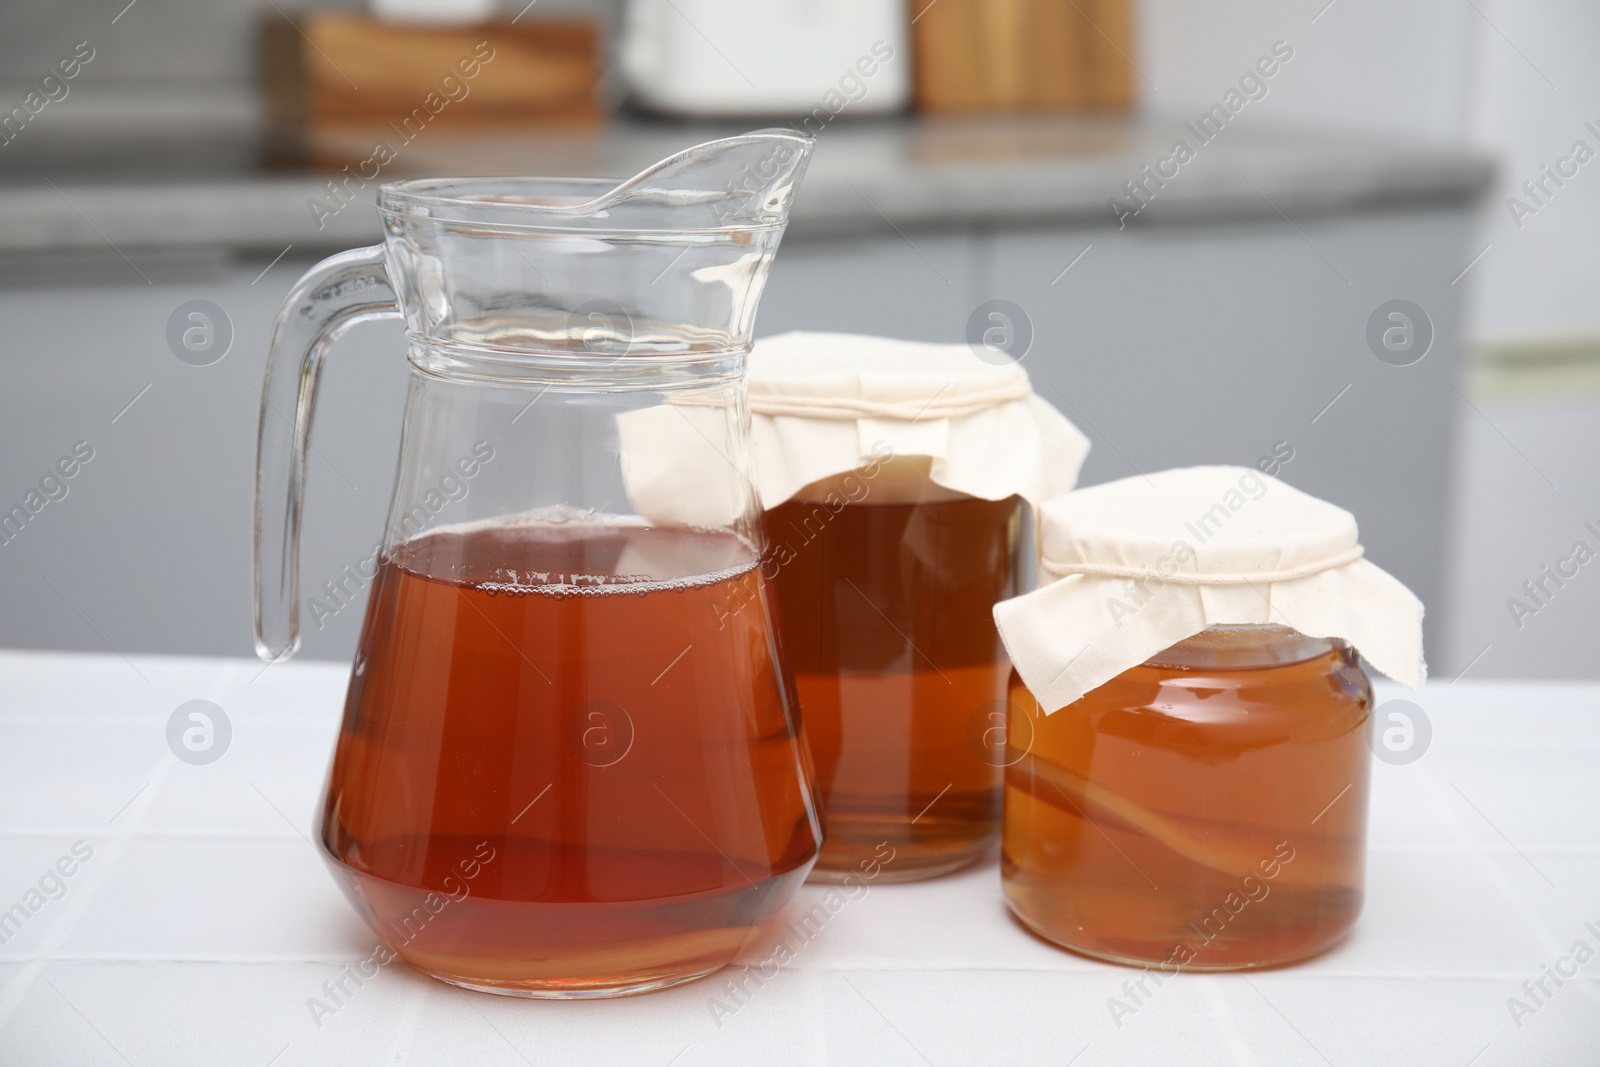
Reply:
x=1222, y=810
x=888, y=629
x=557, y=783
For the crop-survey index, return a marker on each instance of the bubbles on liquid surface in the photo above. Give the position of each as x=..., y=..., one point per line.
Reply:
x=561, y=586
x=544, y=554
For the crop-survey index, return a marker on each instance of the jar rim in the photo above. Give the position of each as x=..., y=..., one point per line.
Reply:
x=1244, y=646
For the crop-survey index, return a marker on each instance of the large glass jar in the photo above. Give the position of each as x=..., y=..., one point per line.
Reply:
x=887, y=623
x=894, y=477
x=1205, y=810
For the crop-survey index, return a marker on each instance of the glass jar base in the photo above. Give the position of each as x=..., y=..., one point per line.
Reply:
x=577, y=989
x=1165, y=958
x=895, y=874
x=903, y=861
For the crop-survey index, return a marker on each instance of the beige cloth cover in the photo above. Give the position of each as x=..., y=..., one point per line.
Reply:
x=1137, y=565
x=824, y=404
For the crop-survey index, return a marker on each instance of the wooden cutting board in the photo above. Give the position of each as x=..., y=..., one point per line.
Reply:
x=340, y=69
x=1020, y=55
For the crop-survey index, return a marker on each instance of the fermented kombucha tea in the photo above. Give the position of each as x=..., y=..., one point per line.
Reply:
x=559, y=777
x=1205, y=810
x=888, y=629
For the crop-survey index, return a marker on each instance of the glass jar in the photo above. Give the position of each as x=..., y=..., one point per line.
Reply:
x=887, y=625
x=1205, y=810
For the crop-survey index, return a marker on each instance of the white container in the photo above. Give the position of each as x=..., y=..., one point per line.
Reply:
x=437, y=11
x=818, y=58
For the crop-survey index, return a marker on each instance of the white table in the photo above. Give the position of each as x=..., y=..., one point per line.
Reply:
x=204, y=921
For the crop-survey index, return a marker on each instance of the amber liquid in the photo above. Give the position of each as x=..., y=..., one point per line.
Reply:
x=1198, y=819
x=887, y=625
x=559, y=777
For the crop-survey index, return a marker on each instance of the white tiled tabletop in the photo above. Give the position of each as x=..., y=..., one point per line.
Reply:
x=204, y=922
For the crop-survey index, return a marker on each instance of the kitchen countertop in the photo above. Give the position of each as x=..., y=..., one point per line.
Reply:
x=89, y=186
x=204, y=922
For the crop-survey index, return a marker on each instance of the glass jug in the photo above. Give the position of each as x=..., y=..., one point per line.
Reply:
x=560, y=773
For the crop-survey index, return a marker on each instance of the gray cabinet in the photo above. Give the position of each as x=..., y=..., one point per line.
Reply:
x=1169, y=345
x=1208, y=343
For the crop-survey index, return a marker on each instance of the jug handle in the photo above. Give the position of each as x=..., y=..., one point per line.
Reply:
x=334, y=295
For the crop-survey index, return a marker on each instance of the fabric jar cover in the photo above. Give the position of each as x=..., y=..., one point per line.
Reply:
x=1132, y=567
x=824, y=405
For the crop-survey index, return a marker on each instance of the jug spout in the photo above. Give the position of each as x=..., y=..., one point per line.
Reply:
x=748, y=180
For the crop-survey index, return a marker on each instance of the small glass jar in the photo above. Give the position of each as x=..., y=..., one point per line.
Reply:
x=887, y=623
x=1205, y=810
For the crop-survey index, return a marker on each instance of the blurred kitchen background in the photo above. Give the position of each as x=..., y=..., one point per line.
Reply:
x=976, y=158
